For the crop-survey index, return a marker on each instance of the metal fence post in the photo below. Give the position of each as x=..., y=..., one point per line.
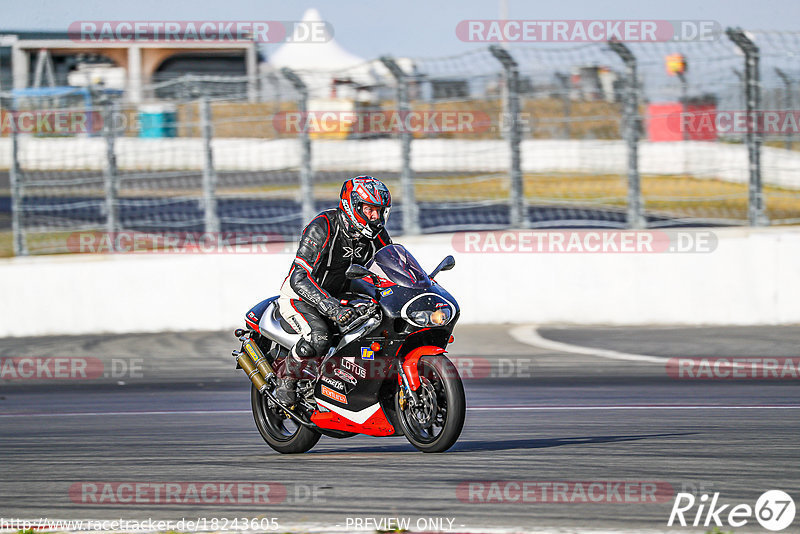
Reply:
x=518, y=213
x=566, y=103
x=632, y=120
x=755, y=204
x=684, y=101
x=15, y=179
x=787, y=104
x=410, y=208
x=210, y=219
x=110, y=172
x=742, y=97
x=306, y=176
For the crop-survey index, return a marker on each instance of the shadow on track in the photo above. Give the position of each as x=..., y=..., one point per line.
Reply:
x=510, y=444
x=504, y=445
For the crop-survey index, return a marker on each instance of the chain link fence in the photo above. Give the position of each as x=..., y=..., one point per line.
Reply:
x=595, y=135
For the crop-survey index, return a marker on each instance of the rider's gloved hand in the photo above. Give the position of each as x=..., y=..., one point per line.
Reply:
x=341, y=315
x=362, y=307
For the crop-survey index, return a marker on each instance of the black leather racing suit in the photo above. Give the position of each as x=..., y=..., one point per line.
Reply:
x=310, y=293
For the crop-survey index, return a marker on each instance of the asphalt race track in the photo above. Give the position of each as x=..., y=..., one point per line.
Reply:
x=535, y=415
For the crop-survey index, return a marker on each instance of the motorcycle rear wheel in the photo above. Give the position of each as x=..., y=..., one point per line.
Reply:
x=436, y=425
x=280, y=431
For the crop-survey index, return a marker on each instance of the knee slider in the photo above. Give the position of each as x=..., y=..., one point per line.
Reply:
x=304, y=349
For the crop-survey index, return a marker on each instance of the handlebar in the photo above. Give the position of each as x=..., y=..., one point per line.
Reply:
x=370, y=311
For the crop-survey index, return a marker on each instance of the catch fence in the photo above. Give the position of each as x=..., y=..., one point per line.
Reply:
x=604, y=135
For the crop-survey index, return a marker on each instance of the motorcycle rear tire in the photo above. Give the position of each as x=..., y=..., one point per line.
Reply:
x=272, y=429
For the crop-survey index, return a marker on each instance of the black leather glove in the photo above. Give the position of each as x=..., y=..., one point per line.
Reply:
x=362, y=307
x=341, y=315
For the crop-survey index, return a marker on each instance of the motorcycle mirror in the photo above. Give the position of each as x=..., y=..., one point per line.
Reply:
x=448, y=263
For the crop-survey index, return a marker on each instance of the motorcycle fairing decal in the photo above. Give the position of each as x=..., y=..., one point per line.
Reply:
x=252, y=321
x=376, y=425
x=335, y=384
x=348, y=362
x=359, y=417
x=252, y=325
x=347, y=377
x=412, y=359
x=328, y=392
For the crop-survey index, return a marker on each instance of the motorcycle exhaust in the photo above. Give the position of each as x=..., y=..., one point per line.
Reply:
x=258, y=358
x=250, y=370
x=254, y=364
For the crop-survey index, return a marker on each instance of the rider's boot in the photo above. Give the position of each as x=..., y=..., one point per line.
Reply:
x=294, y=368
x=286, y=392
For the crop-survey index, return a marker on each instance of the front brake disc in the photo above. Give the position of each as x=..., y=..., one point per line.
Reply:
x=426, y=410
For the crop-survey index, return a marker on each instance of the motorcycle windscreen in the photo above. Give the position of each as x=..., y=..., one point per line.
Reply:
x=395, y=263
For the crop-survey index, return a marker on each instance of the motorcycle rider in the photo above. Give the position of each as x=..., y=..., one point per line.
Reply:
x=330, y=243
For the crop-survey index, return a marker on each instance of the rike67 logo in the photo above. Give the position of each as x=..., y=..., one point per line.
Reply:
x=774, y=510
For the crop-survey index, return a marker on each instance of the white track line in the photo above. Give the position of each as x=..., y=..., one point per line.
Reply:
x=470, y=408
x=530, y=336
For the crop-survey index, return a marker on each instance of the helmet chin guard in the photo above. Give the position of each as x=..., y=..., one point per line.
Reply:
x=357, y=193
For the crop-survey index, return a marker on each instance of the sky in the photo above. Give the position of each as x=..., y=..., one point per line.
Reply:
x=410, y=28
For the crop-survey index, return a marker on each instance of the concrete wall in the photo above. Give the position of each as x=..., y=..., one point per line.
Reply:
x=752, y=277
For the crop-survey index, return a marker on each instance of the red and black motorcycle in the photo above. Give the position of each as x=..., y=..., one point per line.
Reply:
x=385, y=375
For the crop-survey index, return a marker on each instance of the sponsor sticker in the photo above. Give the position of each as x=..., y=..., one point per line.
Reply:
x=386, y=292
x=367, y=353
x=354, y=367
x=338, y=397
x=344, y=375
x=334, y=383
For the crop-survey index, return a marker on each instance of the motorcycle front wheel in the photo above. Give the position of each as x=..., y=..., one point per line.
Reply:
x=435, y=424
x=279, y=430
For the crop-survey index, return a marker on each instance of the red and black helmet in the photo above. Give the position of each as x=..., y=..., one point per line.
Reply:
x=358, y=192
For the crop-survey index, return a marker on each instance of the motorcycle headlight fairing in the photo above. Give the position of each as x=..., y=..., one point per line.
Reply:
x=428, y=310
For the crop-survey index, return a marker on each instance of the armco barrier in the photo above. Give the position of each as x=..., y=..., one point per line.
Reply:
x=752, y=277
